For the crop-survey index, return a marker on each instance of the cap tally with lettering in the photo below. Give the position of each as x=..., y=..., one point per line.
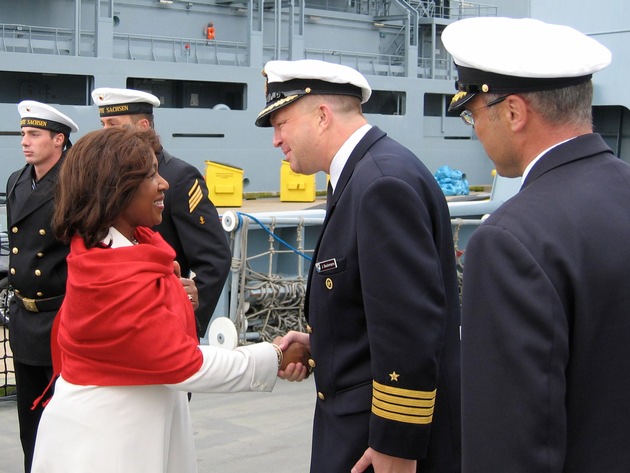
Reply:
x=40, y=115
x=507, y=55
x=287, y=81
x=112, y=102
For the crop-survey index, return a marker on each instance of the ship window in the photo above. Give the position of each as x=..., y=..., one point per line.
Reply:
x=385, y=102
x=62, y=89
x=436, y=105
x=612, y=122
x=193, y=94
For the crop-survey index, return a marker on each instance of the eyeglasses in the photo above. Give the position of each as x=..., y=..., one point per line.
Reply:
x=467, y=115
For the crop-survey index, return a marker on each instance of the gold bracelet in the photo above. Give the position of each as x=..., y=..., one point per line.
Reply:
x=279, y=353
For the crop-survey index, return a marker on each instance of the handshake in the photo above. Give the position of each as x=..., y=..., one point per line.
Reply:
x=296, y=364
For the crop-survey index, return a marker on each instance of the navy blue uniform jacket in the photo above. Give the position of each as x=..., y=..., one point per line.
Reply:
x=37, y=262
x=546, y=321
x=384, y=313
x=191, y=225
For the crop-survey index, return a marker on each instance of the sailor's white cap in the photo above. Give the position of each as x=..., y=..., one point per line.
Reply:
x=500, y=55
x=287, y=81
x=113, y=101
x=40, y=115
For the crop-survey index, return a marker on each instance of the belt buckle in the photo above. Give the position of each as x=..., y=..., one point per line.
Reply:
x=30, y=304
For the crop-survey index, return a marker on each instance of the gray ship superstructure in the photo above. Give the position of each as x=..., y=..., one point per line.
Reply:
x=57, y=51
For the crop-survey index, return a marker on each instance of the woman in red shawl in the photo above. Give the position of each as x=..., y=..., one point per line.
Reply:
x=125, y=342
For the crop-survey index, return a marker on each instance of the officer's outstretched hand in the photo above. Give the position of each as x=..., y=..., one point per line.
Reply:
x=296, y=356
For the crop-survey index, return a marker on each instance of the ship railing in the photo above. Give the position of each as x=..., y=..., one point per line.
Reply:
x=270, y=262
x=443, y=68
x=37, y=39
x=271, y=256
x=455, y=10
x=60, y=41
x=460, y=10
x=424, y=8
x=362, y=7
x=7, y=371
x=173, y=49
x=367, y=63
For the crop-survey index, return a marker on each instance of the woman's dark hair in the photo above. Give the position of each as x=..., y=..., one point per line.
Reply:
x=98, y=178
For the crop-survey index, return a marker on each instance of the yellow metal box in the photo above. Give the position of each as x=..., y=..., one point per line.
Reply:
x=295, y=187
x=225, y=184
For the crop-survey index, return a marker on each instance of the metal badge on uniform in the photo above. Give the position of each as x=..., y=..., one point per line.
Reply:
x=327, y=265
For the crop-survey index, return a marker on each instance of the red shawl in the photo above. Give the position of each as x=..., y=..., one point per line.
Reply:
x=126, y=319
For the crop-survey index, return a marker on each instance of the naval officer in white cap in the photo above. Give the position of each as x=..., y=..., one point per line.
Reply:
x=190, y=221
x=382, y=301
x=545, y=322
x=37, y=261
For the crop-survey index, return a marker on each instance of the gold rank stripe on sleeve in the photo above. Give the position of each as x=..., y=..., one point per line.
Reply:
x=403, y=405
x=194, y=196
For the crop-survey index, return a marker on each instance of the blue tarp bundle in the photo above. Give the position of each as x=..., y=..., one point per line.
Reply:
x=452, y=181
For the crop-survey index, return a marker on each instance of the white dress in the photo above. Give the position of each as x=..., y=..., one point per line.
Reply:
x=141, y=429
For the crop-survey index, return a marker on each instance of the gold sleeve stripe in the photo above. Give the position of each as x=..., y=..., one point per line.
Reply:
x=401, y=417
x=194, y=189
x=404, y=392
x=194, y=200
x=195, y=195
x=405, y=401
x=401, y=409
x=403, y=405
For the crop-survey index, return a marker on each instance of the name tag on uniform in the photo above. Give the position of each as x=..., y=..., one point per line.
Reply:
x=327, y=265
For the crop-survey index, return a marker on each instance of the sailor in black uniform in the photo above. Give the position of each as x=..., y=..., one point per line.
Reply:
x=190, y=222
x=37, y=260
